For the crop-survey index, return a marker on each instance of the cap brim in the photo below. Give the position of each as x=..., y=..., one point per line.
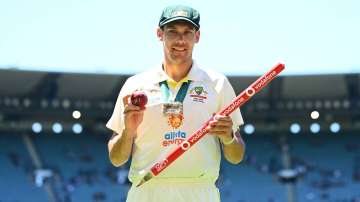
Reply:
x=178, y=18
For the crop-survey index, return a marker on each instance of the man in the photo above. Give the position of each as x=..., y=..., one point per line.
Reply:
x=182, y=96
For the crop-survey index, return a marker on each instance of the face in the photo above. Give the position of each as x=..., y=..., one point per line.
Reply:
x=178, y=40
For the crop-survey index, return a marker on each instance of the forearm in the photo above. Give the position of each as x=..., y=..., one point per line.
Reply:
x=120, y=147
x=234, y=152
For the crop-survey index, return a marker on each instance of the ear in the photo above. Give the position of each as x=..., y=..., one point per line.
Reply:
x=197, y=36
x=160, y=34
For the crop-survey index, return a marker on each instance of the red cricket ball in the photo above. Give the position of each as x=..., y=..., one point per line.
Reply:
x=139, y=98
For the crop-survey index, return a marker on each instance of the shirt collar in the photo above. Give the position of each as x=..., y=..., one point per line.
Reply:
x=195, y=74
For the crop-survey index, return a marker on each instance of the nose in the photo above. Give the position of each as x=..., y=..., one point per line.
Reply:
x=180, y=38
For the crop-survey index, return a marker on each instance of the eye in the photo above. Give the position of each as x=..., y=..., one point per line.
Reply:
x=189, y=34
x=171, y=31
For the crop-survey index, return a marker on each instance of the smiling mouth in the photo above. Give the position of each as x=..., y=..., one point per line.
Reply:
x=179, y=49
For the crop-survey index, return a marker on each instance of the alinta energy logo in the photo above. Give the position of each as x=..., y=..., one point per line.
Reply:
x=173, y=137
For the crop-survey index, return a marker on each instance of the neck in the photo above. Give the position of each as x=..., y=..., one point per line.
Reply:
x=177, y=71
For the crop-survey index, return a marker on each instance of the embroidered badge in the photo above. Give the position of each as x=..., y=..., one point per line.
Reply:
x=198, y=94
x=180, y=13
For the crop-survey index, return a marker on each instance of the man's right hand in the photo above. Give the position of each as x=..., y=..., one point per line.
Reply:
x=133, y=116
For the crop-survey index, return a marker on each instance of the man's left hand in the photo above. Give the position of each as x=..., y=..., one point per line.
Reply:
x=221, y=126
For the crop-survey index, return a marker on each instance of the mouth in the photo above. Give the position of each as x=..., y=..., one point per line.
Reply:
x=178, y=49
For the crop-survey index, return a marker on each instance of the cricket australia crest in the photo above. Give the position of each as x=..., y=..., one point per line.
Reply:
x=198, y=94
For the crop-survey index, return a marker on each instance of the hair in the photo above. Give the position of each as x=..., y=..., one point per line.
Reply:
x=196, y=28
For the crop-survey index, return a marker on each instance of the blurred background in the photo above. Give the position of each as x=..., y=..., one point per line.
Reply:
x=62, y=64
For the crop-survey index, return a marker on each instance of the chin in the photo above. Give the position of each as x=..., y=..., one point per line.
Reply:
x=180, y=58
x=177, y=60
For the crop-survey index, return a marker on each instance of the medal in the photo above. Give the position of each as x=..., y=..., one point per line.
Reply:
x=174, y=113
x=173, y=110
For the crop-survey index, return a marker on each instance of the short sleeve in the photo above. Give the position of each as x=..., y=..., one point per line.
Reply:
x=116, y=122
x=228, y=94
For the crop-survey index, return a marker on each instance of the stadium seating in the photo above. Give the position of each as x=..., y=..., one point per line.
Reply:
x=16, y=182
x=83, y=171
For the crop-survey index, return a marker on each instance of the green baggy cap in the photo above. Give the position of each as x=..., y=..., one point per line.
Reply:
x=180, y=12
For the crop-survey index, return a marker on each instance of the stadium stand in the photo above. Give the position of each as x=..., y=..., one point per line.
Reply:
x=327, y=164
x=83, y=172
x=17, y=183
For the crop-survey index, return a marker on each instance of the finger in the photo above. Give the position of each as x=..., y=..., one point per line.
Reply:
x=222, y=117
x=126, y=100
x=221, y=123
x=218, y=133
x=135, y=112
x=220, y=129
x=130, y=108
x=227, y=119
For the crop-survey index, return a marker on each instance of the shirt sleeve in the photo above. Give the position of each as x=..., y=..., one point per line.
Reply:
x=116, y=122
x=227, y=96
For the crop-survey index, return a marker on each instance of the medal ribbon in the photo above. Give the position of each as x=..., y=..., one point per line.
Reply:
x=180, y=96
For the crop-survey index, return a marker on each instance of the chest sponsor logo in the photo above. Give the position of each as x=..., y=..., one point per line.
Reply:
x=173, y=137
x=198, y=94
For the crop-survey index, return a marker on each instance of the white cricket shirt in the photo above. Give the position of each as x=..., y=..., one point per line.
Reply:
x=208, y=93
